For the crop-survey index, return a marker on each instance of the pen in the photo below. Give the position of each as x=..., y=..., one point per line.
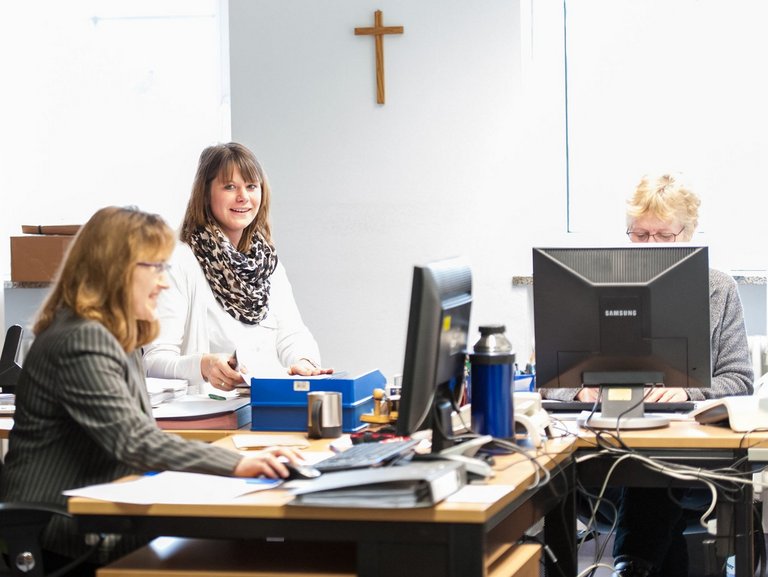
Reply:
x=217, y=397
x=233, y=362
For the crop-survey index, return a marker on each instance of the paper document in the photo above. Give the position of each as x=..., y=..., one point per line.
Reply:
x=164, y=390
x=195, y=407
x=248, y=360
x=253, y=365
x=262, y=441
x=480, y=493
x=173, y=487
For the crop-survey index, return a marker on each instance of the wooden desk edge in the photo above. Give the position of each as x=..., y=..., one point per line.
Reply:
x=518, y=473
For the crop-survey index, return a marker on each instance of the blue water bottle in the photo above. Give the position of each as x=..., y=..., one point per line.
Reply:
x=492, y=365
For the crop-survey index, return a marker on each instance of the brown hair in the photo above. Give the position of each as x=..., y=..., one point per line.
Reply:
x=221, y=160
x=666, y=197
x=95, y=279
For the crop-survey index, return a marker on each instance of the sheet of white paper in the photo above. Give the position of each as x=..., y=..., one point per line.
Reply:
x=262, y=441
x=196, y=406
x=312, y=457
x=480, y=493
x=173, y=487
x=248, y=360
x=155, y=385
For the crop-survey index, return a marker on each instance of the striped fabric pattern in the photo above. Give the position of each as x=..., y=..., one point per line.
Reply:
x=83, y=417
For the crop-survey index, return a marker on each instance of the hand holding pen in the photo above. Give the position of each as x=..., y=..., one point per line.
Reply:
x=221, y=370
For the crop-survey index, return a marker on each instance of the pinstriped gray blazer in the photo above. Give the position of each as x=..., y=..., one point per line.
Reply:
x=83, y=417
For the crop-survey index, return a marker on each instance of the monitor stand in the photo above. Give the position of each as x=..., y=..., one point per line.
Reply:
x=622, y=402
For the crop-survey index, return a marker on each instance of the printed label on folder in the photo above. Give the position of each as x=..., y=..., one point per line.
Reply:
x=301, y=386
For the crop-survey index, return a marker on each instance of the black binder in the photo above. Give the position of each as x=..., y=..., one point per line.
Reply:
x=414, y=484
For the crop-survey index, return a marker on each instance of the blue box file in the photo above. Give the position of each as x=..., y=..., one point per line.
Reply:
x=280, y=404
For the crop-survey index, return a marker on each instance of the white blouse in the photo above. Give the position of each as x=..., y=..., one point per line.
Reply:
x=192, y=324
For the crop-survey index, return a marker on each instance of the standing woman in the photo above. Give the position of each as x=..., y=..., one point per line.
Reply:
x=82, y=412
x=228, y=289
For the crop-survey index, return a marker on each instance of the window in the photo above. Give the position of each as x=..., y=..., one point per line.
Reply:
x=650, y=85
x=107, y=102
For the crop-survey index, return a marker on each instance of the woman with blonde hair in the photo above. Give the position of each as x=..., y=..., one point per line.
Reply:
x=228, y=288
x=82, y=411
x=650, y=522
x=663, y=208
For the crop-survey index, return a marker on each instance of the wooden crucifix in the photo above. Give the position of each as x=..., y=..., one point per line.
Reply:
x=378, y=31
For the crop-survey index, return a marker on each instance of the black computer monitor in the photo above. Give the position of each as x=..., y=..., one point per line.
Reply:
x=621, y=318
x=435, y=350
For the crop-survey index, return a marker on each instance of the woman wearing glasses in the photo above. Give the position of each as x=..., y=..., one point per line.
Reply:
x=650, y=528
x=228, y=288
x=82, y=412
x=664, y=209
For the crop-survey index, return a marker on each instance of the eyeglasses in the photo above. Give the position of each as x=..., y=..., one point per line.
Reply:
x=645, y=236
x=160, y=267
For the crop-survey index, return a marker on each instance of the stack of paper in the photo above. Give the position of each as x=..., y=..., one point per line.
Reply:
x=203, y=413
x=163, y=390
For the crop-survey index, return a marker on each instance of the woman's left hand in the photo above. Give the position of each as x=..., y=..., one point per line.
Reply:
x=307, y=368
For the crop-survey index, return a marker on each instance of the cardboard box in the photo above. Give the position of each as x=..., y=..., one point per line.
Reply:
x=36, y=258
x=280, y=404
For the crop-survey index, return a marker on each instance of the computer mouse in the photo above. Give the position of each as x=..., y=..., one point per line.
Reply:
x=298, y=471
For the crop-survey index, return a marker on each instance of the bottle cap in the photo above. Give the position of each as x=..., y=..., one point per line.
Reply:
x=493, y=340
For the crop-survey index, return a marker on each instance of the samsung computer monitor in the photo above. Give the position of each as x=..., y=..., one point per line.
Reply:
x=622, y=319
x=435, y=350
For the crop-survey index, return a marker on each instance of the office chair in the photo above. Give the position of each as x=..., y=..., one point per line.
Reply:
x=21, y=525
x=9, y=368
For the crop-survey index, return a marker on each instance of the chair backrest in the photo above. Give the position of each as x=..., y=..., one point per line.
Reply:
x=9, y=368
x=20, y=527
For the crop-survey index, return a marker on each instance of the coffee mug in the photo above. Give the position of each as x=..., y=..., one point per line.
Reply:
x=323, y=414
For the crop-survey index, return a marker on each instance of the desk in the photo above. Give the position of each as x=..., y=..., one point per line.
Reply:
x=207, y=435
x=688, y=443
x=450, y=539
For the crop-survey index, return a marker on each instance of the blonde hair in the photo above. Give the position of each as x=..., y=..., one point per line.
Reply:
x=220, y=161
x=96, y=278
x=665, y=197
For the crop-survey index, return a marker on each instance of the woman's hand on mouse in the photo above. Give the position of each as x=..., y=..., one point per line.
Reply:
x=266, y=463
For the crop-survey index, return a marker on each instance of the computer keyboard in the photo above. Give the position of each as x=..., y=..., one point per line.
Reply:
x=367, y=455
x=553, y=406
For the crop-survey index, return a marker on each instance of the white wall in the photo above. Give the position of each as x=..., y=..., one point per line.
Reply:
x=105, y=103
x=362, y=192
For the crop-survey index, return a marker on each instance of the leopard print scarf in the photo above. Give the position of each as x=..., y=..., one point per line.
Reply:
x=240, y=281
